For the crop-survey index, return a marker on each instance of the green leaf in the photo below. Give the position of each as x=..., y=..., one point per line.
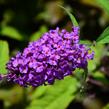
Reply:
x=74, y=22
x=98, y=49
x=4, y=56
x=86, y=42
x=11, y=33
x=104, y=4
x=55, y=96
x=104, y=37
x=38, y=34
x=107, y=106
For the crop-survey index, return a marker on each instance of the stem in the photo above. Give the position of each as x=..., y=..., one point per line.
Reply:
x=83, y=82
x=73, y=20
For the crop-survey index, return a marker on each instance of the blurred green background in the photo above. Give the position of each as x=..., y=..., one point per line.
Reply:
x=22, y=21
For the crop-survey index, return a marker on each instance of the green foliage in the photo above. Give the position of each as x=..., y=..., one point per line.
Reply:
x=86, y=42
x=104, y=37
x=74, y=22
x=38, y=34
x=56, y=96
x=92, y=64
x=104, y=4
x=106, y=107
x=11, y=33
x=4, y=56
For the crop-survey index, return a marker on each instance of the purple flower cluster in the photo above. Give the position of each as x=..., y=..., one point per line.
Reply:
x=55, y=55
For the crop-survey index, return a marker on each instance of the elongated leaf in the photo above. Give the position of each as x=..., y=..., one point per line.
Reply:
x=4, y=56
x=74, y=22
x=11, y=33
x=104, y=37
x=57, y=96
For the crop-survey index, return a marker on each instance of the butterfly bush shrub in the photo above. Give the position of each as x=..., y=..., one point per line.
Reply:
x=55, y=55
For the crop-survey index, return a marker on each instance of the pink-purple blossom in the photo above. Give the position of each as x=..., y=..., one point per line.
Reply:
x=55, y=55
